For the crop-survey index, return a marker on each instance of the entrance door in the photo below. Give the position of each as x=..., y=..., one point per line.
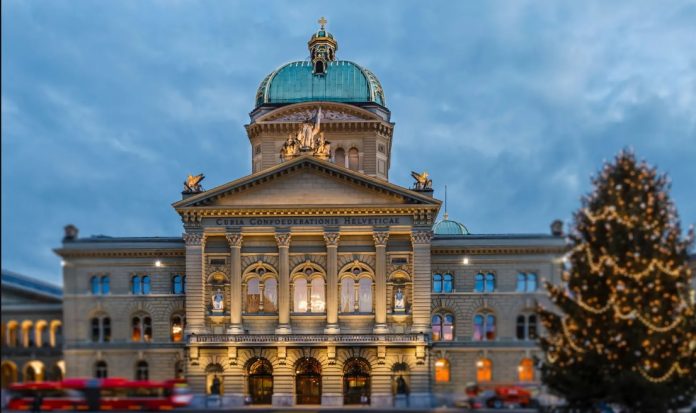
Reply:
x=260, y=381
x=308, y=381
x=356, y=381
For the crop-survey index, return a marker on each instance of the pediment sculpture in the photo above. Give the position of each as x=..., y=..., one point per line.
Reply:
x=307, y=140
x=192, y=185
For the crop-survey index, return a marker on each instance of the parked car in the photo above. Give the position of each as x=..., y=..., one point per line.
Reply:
x=499, y=397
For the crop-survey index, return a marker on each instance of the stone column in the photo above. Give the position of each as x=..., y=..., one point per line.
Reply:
x=331, y=239
x=420, y=239
x=235, y=240
x=195, y=284
x=283, y=240
x=381, y=238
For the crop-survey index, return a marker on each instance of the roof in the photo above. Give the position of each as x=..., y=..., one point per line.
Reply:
x=449, y=227
x=31, y=285
x=344, y=81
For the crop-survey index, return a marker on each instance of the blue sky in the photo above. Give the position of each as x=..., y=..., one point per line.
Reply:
x=107, y=105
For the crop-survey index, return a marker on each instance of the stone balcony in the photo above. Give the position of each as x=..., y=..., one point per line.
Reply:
x=307, y=339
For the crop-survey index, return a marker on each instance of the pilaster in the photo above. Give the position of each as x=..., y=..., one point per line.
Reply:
x=283, y=240
x=235, y=241
x=420, y=239
x=195, y=284
x=332, y=239
x=381, y=238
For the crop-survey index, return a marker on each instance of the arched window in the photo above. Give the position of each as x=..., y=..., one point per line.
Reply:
x=106, y=329
x=353, y=159
x=9, y=374
x=521, y=282
x=448, y=283
x=41, y=332
x=94, y=285
x=318, y=301
x=526, y=370
x=443, y=327
x=484, y=370
x=484, y=327
x=13, y=334
x=141, y=328
x=141, y=370
x=135, y=285
x=270, y=295
x=56, y=333
x=300, y=301
x=27, y=334
x=177, y=327
x=146, y=284
x=253, y=297
x=177, y=285
x=100, y=370
x=340, y=157
x=437, y=283
x=532, y=282
x=442, y=371
x=365, y=295
x=105, y=284
x=479, y=285
x=490, y=282
x=347, y=295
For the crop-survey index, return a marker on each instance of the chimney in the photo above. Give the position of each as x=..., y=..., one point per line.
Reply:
x=557, y=228
x=71, y=232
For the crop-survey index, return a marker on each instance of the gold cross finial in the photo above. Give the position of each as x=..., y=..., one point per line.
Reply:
x=322, y=21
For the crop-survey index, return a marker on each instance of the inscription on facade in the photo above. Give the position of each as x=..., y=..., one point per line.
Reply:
x=308, y=221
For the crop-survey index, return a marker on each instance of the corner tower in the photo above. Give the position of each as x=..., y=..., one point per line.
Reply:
x=332, y=109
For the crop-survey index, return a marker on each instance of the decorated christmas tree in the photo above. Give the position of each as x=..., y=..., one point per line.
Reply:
x=624, y=330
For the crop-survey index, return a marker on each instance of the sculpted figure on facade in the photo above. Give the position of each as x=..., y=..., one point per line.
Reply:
x=218, y=301
x=309, y=132
x=323, y=147
x=192, y=185
x=422, y=181
x=290, y=148
x=399, y=302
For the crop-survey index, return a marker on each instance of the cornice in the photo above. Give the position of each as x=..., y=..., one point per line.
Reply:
x=120, y=253
x=496, y=250
x=283, y=128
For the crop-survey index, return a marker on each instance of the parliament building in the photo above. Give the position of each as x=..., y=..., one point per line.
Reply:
x=313, y=280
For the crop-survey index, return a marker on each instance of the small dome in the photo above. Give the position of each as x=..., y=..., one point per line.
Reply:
x=449, y=227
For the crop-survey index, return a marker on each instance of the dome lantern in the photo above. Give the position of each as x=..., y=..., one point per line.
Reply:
x=322, y=48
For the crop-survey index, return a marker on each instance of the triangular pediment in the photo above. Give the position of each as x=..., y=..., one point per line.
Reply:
x=307, y=181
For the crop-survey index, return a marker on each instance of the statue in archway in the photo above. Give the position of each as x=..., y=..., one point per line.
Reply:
x=215, y=386
x=399, y=300
x=218, y=301
x=401, y=386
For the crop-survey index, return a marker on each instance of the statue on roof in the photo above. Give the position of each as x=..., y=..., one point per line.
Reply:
x=423, y=183
x=309, y=132
x=290, y=148
x=323, y=147
x=192, y=185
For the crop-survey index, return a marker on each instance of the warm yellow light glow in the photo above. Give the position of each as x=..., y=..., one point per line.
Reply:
x=440, y=363
x=465, y=261
x=158, y=263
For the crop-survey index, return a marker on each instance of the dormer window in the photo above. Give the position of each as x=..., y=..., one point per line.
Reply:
x=319, y=68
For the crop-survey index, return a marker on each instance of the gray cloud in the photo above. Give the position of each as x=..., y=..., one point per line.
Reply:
x=107, y=105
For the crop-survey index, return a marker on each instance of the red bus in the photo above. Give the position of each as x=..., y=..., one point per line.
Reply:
x=101, y=394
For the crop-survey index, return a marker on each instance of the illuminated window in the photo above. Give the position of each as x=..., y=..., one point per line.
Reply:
x=521, y=282
x=526, y=370
x=146, y=284
x=442, y=371
x=141, y=370
x=484, y=370
x=300, y=302
x=437, y=283
x=443, y=327
x=13, y=334
x=448, y=283
x=532, y=282
x=253, y=297
x=347, y=295
x=478, y=283
x=484, y=327
x=270, y=295
x=141, y=328
x=100, y=370
x=177, y=329
x=490, y=282
x=317, y=299
x=527, y=282
x=365, y=295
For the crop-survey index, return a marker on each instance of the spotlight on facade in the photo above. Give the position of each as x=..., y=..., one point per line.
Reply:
x=479, y=363
x=158, y=263
x=62, y=263
x=465, y=261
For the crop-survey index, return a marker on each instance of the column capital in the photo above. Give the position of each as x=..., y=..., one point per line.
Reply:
x=332, y=238
x=283, y=239
x=193, y=238
x=235, y=239
x=381, y=238
x=421, y=237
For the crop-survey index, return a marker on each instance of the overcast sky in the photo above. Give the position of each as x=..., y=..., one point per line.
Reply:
x=107, y=105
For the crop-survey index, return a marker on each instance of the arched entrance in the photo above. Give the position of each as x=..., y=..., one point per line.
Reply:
x=9, y=374
x=260, y=381
x=308, y=381
x=356, y=381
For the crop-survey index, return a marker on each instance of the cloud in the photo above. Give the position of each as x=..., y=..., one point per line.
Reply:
x=107, y=106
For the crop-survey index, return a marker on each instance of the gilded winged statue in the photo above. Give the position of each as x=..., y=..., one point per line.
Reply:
x=422, y=181
x=193, y=184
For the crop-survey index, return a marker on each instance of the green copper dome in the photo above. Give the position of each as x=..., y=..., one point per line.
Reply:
x=321, y=78
x=449, y=227
x=342, y=81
